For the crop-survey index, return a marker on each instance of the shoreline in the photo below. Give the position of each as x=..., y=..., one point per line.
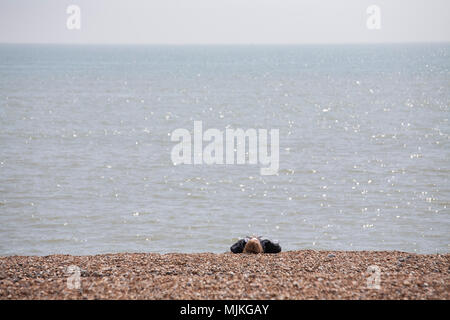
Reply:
x=302, y=274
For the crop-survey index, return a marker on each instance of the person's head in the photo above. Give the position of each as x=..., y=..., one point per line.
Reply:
x=253, y=246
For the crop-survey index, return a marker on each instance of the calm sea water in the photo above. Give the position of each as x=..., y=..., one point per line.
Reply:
x=85, y=146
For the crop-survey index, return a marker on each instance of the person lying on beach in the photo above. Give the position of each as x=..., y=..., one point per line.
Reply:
x=255, y=245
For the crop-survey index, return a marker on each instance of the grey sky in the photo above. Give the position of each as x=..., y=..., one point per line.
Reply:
x=224, y=21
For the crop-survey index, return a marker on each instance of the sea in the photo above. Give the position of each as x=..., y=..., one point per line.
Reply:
x=85, y=147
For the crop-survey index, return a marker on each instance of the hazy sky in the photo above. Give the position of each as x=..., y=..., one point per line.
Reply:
x=224, y=21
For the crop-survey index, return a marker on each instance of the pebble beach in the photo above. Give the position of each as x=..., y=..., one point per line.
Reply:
x=304, y=274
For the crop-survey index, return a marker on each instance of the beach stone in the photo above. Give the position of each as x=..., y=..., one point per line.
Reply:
x=289, y=275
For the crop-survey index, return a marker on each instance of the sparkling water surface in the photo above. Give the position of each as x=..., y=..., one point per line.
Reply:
x=85, y=146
